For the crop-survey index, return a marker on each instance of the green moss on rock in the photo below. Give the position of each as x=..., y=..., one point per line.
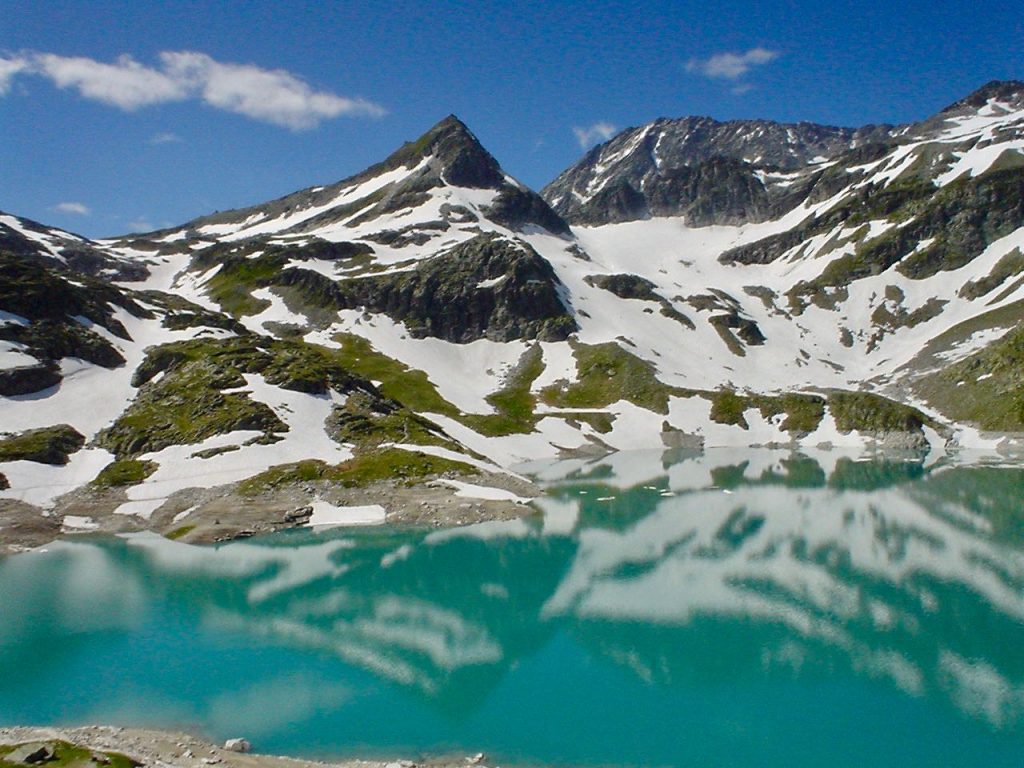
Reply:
x=367, y=421
x=180, y=532
x=49, y=445
x=238, y=277
x=606, y=373
x=514, y=403
x=63, y=754
x=727, y=408
x=186, y=404
x=803, y=412
x=124, y=472
x=986, y=388
x=397, y=380
x=395, y=464
x=868, y=412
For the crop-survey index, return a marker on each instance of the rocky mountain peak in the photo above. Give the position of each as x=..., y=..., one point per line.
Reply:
x=673, y=167
x=446, y=158
x=712, y=172
x=461, y=157
x=1005, y=91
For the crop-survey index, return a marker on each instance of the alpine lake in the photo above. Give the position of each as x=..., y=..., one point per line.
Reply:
x=730, y=608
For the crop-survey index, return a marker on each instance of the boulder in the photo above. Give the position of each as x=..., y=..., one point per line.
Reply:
x=237, y=745
x=31, y=754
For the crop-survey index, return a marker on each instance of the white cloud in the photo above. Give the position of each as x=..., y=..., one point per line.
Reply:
x=731, y=66
x=601, y=131
x=165, y=137
x=270, y=95
x=125, y=84
x=8, y=69
x=79, y=209
x=140, y=225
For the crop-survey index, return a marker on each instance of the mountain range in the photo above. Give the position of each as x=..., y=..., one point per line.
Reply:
x=688, y=283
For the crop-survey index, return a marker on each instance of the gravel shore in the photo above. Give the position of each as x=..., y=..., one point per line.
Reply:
x=208, y=515
x=167, y=749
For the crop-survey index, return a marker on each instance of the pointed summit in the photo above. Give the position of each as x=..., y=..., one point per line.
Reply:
x=422, y=174
x=462, y=159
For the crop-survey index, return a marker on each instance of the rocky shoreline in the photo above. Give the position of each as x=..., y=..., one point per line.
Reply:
x=168, y=749
x=211, y=515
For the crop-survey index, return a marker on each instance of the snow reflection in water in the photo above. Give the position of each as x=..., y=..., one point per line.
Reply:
x=761, y=572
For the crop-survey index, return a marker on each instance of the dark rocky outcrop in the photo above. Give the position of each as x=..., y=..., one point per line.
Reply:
x=323, y=250
x=641, y=289
x=517, y=208
x=63, y=250
x=31, y=754
x=26, y=379
x=53, y=340
x=616, y=202
x=38, y=292
x=487, y=287
x=59, y=308
x=625, y=286
x=49, y=445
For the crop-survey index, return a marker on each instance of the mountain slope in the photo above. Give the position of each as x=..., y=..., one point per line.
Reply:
x=432, y=316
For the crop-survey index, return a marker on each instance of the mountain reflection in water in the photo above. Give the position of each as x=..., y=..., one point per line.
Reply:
x=726, y=594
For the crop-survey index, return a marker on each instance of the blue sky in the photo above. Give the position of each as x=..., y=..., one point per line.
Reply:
x=124, y=115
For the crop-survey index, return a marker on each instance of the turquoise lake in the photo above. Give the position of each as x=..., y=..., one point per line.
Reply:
x=747, y=608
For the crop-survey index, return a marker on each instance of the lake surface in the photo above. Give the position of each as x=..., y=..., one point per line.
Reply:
x=735, y=608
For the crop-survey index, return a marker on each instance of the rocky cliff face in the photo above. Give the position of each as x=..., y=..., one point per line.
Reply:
x=710, y=172
x=488, y=287
x=707, y=171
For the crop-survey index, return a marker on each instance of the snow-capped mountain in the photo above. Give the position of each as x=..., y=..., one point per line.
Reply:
x=745, y=171
x=690, y=283
x=711, y=172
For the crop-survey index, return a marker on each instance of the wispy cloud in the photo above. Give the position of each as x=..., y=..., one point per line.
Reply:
x=165, y=137
x=140, y=225
x=731, y=66
x=125, y=84
x=274, y=96
x=600, y=131
x=8, y=69
x=79, y=209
